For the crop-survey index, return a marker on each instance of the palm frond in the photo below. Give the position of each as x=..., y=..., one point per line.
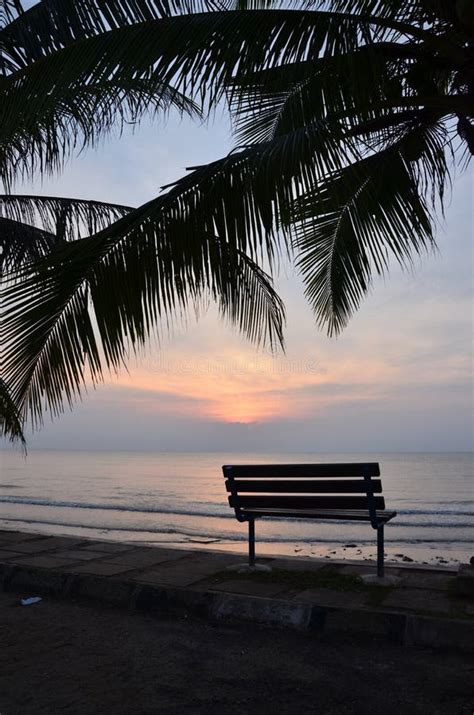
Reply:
x=425, y=144
x=351, y=226
x=245, y=196
x=274, y=101
x=405, y=10
x=9, y=10
x=90, y=301
x=367, y=83
x=156, y=63
x=416, y=11
x=240, y=197
x=32, y=226
x=11, y=421
x=280, y=99
x=66, y=218
x=379, y=207
x=65, y=120
x=21, y=243
x=52, y=24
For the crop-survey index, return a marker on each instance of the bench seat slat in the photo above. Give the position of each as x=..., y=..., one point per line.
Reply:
x=294, y=503
x=303, y=486
x=351, y=515
x=299, y=471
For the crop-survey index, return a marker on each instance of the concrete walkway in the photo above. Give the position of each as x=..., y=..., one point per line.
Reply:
x=423, y=608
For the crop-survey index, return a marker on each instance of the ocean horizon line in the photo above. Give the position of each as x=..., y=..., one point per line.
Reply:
x=9, y=449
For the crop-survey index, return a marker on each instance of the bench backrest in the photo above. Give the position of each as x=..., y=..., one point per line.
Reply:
x=295, y=487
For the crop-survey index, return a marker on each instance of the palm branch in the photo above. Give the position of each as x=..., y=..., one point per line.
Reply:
x=32, y=226
x=115, y=76
x=67, y=218
x=11, y=420
x=368, y=212
x=84, y=306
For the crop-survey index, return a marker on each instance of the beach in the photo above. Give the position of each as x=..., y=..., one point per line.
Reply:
x=180, y=500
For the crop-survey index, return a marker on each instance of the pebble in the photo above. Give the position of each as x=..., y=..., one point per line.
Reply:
x=407, y=558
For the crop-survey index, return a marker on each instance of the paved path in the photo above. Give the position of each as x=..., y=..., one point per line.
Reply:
x=419, y=588
x=423, y=608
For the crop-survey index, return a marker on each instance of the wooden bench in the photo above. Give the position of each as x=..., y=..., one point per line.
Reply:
x=344, y=492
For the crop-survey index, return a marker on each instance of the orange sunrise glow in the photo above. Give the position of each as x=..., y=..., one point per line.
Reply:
x=239, y=387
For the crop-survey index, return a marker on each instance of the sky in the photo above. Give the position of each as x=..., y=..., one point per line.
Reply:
x=399, y=378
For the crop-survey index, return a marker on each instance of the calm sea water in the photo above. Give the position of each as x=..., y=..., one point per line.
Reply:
x=181, y=498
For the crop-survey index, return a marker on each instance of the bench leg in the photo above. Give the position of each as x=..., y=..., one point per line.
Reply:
x=251, y=542
x=380, y=568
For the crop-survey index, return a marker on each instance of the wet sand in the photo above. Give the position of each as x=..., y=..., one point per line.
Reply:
x=428, y=553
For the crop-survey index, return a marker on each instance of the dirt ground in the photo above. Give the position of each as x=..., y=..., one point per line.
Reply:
x=64, y=656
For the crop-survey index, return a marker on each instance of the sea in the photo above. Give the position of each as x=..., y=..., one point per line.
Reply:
x=179, y=499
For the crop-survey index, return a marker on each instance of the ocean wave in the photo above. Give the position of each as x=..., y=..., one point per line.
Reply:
x=140, y=509
x=212, y=510
x=187, y=535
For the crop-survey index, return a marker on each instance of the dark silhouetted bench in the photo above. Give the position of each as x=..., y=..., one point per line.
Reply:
x=344, y=492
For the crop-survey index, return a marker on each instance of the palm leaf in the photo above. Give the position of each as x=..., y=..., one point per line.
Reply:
x=31, y=226
x=395, y=9
x=64, y=121
x=378, y=207
x=369, y=82
x=341, y=89
x=79, y=308
x=11, y=422
x=52, y=24
x=425, y=142
x=21, y=243
x=417, y=11
x=66, y=218
x=77, y=93
x=9, y=10
x=350, y=227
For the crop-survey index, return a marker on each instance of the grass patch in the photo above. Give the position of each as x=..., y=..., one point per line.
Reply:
x=302, y=580
x=377, y=594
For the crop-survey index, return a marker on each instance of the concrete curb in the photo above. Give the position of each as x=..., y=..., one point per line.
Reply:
x=392, y=626
x=268, y=611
